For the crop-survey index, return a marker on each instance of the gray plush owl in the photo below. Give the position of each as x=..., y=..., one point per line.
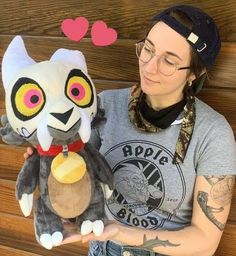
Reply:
x=51, y=104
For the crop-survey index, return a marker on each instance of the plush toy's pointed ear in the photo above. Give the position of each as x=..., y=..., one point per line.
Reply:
x=73, y=56
x=14, y=59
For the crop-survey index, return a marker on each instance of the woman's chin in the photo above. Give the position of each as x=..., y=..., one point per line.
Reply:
x=150, y=88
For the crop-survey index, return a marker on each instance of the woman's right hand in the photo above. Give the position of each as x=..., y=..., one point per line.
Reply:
x=29, y=152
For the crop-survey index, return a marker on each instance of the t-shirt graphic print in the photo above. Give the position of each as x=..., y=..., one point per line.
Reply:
x=142, y=171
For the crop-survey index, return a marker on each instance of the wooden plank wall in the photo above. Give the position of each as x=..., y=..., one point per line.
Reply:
x=115, y=66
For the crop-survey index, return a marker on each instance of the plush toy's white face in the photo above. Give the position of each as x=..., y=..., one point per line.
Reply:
x=50, y=98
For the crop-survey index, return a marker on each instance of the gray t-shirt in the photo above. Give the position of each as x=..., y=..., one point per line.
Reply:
x=150, y=191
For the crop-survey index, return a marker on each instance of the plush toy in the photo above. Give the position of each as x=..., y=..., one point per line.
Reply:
x=51, y=104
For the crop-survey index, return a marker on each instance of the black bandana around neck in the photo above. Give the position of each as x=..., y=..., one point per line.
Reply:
x=137, y=112
x=162, y=118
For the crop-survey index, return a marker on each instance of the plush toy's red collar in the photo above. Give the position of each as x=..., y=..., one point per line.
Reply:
x=56, y=149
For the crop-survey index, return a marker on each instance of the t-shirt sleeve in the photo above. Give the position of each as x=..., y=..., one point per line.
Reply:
x=218, y=151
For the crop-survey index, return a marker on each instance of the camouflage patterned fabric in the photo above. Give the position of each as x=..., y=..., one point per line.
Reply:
x=187, y=126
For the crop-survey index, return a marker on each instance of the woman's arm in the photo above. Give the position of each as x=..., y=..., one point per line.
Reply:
x=212, y=198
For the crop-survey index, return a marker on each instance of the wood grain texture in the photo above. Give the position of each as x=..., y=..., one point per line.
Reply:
x=10, y=204
x=118, y=62
x=110, y=67
x=17, y=232
x=227, y=245
x=11, y=160
x=9, y=251
x=129, y=18
x=15, y=224
x=221, y=99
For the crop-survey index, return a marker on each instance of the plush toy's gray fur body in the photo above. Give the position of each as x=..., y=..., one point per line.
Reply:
x=35, y=172
x=53, y=102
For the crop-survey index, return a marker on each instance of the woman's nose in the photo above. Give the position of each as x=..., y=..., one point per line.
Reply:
x=151, y=65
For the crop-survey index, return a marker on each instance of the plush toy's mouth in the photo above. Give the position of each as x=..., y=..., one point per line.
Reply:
x=45, y=137
x=63, y=117
x=59, y=134
x=23, y=132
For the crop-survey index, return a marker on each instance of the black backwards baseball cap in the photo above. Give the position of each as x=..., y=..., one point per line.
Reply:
x=203, y=37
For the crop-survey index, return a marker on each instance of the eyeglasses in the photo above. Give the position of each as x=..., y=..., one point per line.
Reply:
x=165, y=65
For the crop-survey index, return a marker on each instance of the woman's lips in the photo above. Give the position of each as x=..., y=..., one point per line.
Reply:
x=148, y=80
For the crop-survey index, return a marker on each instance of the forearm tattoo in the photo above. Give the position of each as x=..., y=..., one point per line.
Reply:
x=151, y=243
x=221, y=193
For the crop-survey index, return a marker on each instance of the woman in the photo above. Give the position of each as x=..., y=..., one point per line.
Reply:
x=173, y=157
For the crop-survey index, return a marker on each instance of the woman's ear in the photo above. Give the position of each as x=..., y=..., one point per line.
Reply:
x=191, y=78
x=198, y=83
x=204, y=71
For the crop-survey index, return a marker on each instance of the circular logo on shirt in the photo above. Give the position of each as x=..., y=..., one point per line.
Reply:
x=141, y=181
x=142, y=172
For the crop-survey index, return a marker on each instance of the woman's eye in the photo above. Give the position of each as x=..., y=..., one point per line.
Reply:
x=147, y=49
x=168, y=61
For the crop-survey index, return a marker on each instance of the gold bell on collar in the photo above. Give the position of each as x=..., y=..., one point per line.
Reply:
x=68, y=169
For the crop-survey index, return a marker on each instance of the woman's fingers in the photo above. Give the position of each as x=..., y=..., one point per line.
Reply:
x=71, y=239
x=30, y=150
x=28, y=153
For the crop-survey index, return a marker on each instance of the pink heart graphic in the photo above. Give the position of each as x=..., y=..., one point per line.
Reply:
x=76, y=29
x=102, y=35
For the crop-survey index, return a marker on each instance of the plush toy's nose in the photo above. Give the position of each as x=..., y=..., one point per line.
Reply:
x=63, y=117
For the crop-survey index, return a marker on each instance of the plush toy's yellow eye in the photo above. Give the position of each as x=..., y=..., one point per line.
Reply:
x=27, y=98
x=79, y=89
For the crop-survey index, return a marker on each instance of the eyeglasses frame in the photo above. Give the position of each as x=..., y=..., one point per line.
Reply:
x=153, y=54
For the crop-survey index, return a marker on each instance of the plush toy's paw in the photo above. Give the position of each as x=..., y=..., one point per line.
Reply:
x=88, y=226
x=106, y=190
x=57, y=238
x=4, y=120
x=98, y=227
x=8, y=135
x=26, y=204
x=48, y=241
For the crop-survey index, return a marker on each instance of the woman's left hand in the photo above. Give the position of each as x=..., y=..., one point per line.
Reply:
x=111, y=231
